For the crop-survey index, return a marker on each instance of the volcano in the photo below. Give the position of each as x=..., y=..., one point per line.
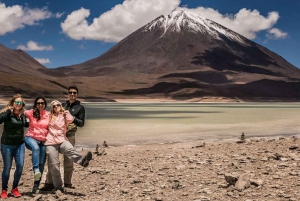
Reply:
x=183, y=56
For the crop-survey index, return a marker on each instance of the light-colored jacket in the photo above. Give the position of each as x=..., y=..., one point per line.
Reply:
x=38, y=129
x=58, y=129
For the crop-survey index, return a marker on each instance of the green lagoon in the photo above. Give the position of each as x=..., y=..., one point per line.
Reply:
x=144, y=123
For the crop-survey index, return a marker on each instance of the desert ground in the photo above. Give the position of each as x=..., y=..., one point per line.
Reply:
x=253, y=169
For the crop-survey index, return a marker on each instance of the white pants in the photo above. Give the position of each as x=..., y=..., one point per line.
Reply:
x=67, y=149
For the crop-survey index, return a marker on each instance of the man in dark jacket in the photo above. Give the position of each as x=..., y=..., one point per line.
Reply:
x=78, y=112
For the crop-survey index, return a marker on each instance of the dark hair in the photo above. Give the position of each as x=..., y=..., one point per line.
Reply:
x=36, y=112
x=73, y=87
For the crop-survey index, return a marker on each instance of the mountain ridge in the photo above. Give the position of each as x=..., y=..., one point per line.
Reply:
x=183, y=55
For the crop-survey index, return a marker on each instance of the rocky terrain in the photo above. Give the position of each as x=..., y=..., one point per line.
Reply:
x=249, y=170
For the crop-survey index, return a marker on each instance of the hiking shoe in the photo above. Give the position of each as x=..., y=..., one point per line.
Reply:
x=47, y=187
x=35, y=190
x=68, y=186
x=86, y=159
x=4, y=194
x=37, y=175
x=15, y=192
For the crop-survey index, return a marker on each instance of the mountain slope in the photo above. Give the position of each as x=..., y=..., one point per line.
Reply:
x=183, y=55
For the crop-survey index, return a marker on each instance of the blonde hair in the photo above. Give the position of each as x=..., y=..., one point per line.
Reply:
x=52, y=109
x=11, y=103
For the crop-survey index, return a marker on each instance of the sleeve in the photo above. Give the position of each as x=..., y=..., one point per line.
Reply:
x=26, y=124
x=29, y=113
x=79, y=120
x=69, y=118
x=4, y=115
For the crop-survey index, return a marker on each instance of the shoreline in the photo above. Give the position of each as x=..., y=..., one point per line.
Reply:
x=215, y=140
x=168, y=100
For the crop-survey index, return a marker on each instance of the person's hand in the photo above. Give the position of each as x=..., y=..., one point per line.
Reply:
x=66, y=113
x=10, y=108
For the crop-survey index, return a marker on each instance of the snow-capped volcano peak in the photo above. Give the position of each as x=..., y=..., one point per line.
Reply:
x=186, y=20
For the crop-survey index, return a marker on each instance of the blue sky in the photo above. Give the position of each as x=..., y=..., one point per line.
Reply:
x=61, y=33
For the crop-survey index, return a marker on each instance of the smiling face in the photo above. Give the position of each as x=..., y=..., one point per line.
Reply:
x=72, y=94
x=56, y=107
x=40, y=104
x=18, y=105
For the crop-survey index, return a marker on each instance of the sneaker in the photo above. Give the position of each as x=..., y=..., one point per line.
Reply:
x=35, y=190
x=37, y=175
x=47, y=187
x=4, y=194
x=86, y=159
x=15, y=192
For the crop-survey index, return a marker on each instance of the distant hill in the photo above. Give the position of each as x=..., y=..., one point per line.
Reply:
x=20, y=73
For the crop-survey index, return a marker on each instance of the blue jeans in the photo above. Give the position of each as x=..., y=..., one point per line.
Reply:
x=38, y=155
x=8, y=153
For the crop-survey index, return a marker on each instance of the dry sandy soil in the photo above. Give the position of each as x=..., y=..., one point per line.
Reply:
x=251, y=170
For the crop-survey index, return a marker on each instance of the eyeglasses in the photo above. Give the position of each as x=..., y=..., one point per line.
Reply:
x=57, y=105
x=40, y=103
x=19, y=102
x=72, y=92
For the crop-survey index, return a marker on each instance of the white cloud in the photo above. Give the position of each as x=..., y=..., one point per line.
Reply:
x=13, y=42
x=58, y=15
x=276, y=34
x=43, y=61
x=246, y=22
x=33, y=46
x=17, y=17
x=120, y=21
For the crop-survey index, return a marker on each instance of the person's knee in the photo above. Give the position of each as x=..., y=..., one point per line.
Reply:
x=19, y=166
x=35, y=149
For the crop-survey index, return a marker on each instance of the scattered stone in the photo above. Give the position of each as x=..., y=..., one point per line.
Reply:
x=177, y=172
x=294, y=147
x=256, y=182
x=231, y=178
x=243, y=182
x=200, y=145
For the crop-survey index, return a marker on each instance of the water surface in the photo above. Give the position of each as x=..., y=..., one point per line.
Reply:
x=142, y=123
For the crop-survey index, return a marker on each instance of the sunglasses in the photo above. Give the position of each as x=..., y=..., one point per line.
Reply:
x=57, y=105
x=19, y=102
x=72, y=92
x=40, y=103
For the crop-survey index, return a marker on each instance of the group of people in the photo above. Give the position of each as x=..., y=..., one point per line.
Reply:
x=49, y=133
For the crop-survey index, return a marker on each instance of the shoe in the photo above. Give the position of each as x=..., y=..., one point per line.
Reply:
x=35, y=190
x=15, y=192
x=47, y=187
x=68, y=186
x=86, y=159
x=58, y=191
x=4, y=194
x=37, y=175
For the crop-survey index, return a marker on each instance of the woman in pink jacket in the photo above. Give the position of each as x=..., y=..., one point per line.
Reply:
x=57, y=142
x=36, y=136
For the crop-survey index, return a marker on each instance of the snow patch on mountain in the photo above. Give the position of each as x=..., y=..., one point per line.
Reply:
x=187, y=20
